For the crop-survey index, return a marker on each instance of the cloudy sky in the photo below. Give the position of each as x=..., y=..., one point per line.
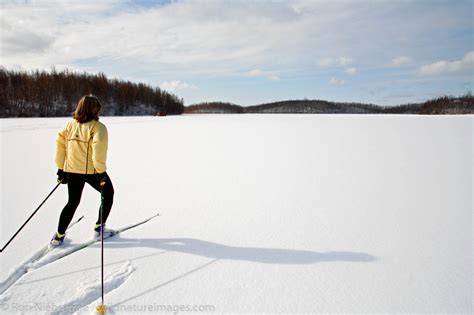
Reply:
x=251, y=52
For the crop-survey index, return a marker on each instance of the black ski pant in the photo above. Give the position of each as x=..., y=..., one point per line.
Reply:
x=75, y=185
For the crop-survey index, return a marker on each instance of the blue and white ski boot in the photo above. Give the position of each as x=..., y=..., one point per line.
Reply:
x=107, y=232
x=57, y=240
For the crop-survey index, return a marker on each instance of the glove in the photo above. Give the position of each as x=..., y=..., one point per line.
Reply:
x=102, y=178
x=62, y=177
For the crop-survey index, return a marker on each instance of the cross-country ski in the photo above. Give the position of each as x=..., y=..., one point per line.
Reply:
x=68, y=249
x=46, y=255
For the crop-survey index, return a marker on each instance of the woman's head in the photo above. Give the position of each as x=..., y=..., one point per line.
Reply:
x=87, y=109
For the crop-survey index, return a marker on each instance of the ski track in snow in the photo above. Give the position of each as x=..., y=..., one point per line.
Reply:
x=44, y=257
x=39, y=259
x=85, y=292
x=20, y=271
x=88, y=291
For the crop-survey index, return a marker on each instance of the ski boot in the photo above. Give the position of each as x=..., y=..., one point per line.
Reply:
x=107, y=232
x=57, y=240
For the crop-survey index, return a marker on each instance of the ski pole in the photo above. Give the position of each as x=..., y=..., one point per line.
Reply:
x=102, y=308
x=11, y=239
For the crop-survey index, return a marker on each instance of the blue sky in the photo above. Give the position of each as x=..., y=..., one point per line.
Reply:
x=252, y=52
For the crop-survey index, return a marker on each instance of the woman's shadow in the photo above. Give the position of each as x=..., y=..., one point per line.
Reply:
x=254, y=254
x=218, y=252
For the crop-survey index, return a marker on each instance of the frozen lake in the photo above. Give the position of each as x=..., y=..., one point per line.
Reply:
x=259, y=213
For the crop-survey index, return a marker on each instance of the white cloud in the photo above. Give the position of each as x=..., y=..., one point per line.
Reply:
x=335, y=81
x=198, y=36
x=260, y=73
x=186, y=38
x=401, y=61
x=176, y=85
x=254, y=73
x=334, y=62
x=351, y=71
x=18, y=39
x=273, y=77
x=443, y=67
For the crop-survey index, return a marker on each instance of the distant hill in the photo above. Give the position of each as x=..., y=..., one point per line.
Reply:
x=442, y=105
x=314, y=107
x=449, y=105
x=53, y=94
x=214, y=107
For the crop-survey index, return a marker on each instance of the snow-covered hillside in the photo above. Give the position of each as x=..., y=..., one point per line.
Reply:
x=258, y=213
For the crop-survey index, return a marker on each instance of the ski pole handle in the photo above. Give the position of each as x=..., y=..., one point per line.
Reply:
x=14, y=235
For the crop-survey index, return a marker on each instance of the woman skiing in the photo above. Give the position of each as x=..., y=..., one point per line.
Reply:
x=81, y=155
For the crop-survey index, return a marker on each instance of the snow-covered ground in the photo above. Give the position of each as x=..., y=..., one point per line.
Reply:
x=259, y=213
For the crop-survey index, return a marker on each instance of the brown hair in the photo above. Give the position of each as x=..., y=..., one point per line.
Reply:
x=87, y=109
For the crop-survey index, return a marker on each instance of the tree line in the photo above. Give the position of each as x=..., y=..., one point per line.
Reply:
x=442, y=105
x=56, y=93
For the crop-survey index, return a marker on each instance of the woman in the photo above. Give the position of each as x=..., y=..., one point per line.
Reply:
x=81, y=155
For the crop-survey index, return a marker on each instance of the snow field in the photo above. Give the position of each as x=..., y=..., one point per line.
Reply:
x=260, y=213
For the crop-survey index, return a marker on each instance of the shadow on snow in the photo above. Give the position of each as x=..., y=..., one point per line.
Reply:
x=217, y=252
x=253, y=254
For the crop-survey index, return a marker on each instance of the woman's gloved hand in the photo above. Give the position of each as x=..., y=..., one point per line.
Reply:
x=62, y=177
x=102, y=178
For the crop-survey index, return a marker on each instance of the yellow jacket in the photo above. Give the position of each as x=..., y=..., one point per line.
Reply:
x=82, y=148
